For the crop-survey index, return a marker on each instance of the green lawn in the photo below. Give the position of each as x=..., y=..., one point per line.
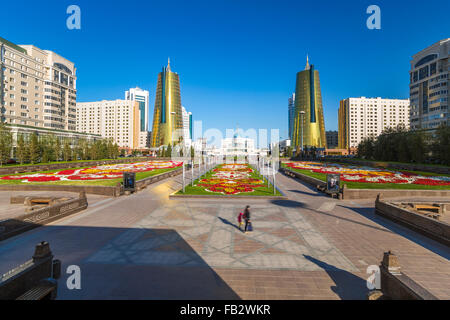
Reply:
x=258, y=191
x=106, y=182
x=363, y=185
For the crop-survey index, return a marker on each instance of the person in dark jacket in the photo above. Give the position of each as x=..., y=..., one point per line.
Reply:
x=247, y=217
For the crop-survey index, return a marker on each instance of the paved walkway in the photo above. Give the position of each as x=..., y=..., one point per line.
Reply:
x=145, y=246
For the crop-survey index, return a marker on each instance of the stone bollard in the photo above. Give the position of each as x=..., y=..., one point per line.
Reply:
x=42, y=251
x=82, y=195
x=390, y=263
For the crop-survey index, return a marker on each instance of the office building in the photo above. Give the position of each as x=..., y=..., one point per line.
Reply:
x=187, y=125
x=332, y=139
x=360, y=118
x=291, y=114
x=118, y=120
x=429, y=86
x=142, y=98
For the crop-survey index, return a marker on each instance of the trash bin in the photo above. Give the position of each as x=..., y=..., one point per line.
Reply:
x=129, y=181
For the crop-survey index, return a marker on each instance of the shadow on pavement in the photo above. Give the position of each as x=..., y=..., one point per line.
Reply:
x=411, y=235
x=348, y=286
x=122, y=263
x=312, y=194
x=288, y=203
x=225, y=221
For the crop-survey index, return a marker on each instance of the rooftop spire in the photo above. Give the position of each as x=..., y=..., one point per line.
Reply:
x=307, y=63
x=168, y=63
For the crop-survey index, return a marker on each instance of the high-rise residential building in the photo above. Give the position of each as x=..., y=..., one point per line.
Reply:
x=360, y=118
x=187, y=124
x=332, y=139
x=118, y=120
x=38, y=87
x=142, y=98
x=309, y=126
x=429, y=86
x=167, y=116
x=291, y=114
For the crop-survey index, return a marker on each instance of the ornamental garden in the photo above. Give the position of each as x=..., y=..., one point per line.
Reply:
x=363, y=177
x=231, y=180
x=106, y=175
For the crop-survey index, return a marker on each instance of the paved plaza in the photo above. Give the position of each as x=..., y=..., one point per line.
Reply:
x=145, y=246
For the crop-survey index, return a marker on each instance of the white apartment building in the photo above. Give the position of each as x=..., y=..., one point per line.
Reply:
x=37, y=87
x=117, y=119
x=360, y=118
x=142, y=97
x=430, y=87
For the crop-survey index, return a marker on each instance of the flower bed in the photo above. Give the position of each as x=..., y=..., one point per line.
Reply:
x=369, y=174
x=105, y=172
x=231, y=179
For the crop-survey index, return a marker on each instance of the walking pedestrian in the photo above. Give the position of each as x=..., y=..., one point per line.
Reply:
x=240, y=218
x=247, y=218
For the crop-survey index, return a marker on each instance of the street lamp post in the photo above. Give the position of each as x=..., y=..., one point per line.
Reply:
x=192, y=172
x=183, y=175
x=274, y=173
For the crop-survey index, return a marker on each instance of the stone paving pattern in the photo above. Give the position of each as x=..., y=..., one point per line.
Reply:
x=145, y=246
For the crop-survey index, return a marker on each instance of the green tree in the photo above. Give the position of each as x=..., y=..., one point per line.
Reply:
x=46, y=149
x=417, y=146
x=169, y=151
x=34, y=148
x=441, y=145
x=192, y=152
x=67, y=151
x=58, y=148
x=6, y=142
x=21, y=149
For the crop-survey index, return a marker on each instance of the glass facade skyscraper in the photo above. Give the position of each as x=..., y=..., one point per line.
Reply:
x=167, y=116
x=291, y=114
x=309, y=126
x=142, y=98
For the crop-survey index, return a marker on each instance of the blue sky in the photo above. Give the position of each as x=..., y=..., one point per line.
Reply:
x=237, y=60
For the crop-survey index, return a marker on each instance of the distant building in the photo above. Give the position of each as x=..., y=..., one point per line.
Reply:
x=309, y=126
x=187, y=125
x=282, y=145
x=142, y=98
x=238, y=146
x=291, y=114
x=118, y=120
x=430, y=87
x=360, y=118
x=332, y=139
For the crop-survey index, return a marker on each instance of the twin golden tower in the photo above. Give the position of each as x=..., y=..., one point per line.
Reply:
x=309, y=127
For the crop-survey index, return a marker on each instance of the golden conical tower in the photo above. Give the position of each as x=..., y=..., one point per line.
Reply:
x=167, y=116
x=308, y=110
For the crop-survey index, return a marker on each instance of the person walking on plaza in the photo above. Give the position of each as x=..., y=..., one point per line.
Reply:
x=240, y=217
x=247, y=219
